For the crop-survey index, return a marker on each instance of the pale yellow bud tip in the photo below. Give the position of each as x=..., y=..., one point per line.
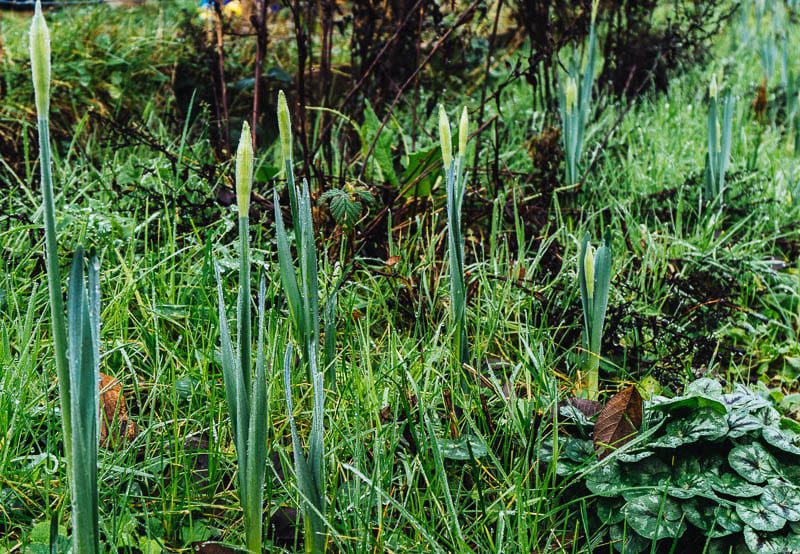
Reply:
x=445, y=139
x=244, y=170
x=40, y=61
x=588, y=269
x=571, y=94
x=595, y=5
x=463, y=133
x=285, y=128
x=713, y=88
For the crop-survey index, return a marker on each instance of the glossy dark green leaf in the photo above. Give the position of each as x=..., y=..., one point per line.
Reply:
x=655, y=517
x=752, y=462
x=706, y=516
x=457, y=449
x=704, y=423
x=782, y=439
x=783, y=500
x=759, y=542
x=733, y=484
x=754, y=514
x=627, y=541
x=610, y=511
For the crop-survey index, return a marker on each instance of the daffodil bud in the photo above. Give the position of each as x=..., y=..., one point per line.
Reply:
x=445, y=138
x=463, y=133
x=595, y=5
x=588, y=269
x=719, y=136
x=285, y=127
x=40, y=61
x=713, y=89
x=571, y=94
x=244, y=170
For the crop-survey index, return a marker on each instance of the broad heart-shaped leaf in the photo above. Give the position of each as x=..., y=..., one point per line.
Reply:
x=574, y=414
x=732, y=484
x=609, y=510
x=457, y=449
x=783, y=500
x=759, y=542
x=782, y=439
x=752, y=462
x=688, y=404
x=754, y=514
x=655, y=517
x=606, y=480
x=578, y=450
x=708, y=388
x=652, y=472
x=627, y=541
x=742, y=398
x=713, y=519
x=619, y=421
x=687, y=485
x=704, y=423
x=741, y=422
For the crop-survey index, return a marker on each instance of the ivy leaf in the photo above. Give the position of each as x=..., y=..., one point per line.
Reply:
x=783, y=500
x=703, y=424
x=732, y=484
x=627, y=540
x=766, y=543
x=655, y=517
x=619, y=421
x=785, y=440
x=754, y=514
x=752, y=462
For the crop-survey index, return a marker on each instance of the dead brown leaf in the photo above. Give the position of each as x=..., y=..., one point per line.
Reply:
x=114, y=414
x=619, y=421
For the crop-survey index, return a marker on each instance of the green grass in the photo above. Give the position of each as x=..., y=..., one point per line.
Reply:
x=688, y=295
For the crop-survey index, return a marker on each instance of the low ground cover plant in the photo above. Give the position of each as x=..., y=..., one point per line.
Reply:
x=721, y=467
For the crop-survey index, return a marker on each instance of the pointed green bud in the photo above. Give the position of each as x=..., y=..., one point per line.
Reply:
x=713, y=89
x=571, y=94
x=588, y=269
x=463, y=133
x=445, y=139
x=595, y=5
x=40, y=61
x=285, y=128
x=244, y=170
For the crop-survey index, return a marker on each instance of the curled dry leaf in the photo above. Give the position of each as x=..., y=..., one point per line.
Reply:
x=114, y=414
x=619, y=421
